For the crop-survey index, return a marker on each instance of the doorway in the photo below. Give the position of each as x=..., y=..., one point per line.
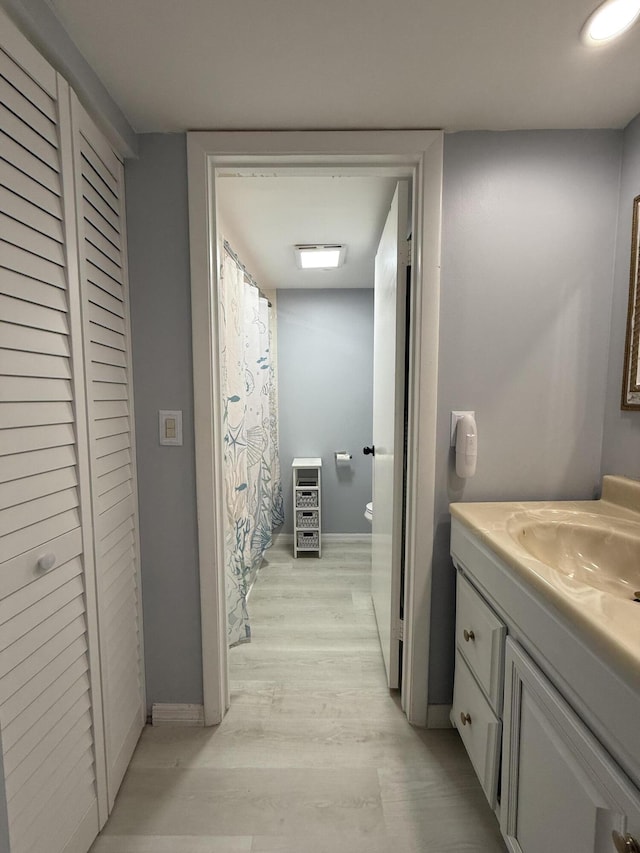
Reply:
x=328, y=344
x=413, y=155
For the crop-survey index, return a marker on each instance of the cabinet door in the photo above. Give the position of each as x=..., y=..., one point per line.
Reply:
x=561, y=791
x=49, y=673
x=109, y=390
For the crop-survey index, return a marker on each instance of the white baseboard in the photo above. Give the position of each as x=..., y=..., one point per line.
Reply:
x=347, y=537
x=438, y=717
x=336, y=538
x=166, y=714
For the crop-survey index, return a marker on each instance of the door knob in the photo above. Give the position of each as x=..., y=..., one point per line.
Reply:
x=465, y=718
x=46, y=562
x=369, y=451
x=468, y=635
x=625, y=843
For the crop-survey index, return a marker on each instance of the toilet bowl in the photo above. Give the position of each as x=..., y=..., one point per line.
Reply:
x=368, y=513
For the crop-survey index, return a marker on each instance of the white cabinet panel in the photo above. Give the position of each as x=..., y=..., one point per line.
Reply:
x=562, y=790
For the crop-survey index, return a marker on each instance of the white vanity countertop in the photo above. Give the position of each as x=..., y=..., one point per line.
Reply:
x=609, y=623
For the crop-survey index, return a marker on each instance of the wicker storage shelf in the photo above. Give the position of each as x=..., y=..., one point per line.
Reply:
x=307, y=505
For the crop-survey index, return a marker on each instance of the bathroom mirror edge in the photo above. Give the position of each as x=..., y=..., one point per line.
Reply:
x=631, y=377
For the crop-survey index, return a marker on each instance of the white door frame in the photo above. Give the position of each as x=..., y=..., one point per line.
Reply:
x=415, y=154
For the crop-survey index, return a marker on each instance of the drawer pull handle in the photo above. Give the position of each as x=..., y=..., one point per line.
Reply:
x=468, y=635
x=465, y=718
x=625, y=843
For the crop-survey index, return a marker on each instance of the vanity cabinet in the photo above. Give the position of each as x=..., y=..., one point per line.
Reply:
x=549, y=725
x=562, y=790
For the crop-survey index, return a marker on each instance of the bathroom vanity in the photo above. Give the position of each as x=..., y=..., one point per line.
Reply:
x=547, y=680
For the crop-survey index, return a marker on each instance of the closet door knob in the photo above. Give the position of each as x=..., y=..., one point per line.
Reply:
x=465, y=718
x=625, y=843
x=468, y=635
x=369, y=451
x=46, y=562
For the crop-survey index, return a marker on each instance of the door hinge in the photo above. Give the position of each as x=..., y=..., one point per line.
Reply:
x=399, y=630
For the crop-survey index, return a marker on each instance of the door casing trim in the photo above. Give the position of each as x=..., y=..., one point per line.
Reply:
x=417, y=154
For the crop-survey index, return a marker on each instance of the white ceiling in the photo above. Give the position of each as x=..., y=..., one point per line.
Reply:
x=173, y=65
x=302, y=64
x=265, y=217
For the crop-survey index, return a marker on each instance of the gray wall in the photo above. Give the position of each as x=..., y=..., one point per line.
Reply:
x=157, y=222
x=621, y=451
x=527, y=255
x=528, y=246
x=325, y=372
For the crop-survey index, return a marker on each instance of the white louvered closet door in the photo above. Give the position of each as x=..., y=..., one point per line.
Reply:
x=50, y=709
x=105, y=309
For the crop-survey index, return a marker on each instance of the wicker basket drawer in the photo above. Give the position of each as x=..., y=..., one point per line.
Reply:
x=308, y=540
x=307, y=518
x=306, y=497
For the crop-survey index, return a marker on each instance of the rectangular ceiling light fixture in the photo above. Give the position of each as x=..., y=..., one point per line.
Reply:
x=320, y=256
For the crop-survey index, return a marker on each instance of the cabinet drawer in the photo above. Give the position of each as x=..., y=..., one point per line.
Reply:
x=480, y=639
x=307, y=497
x=307, y=518
x=481, y=730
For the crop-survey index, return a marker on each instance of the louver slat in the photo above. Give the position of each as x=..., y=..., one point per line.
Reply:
x=30, y=165
x=31, y=214
x=30, y=85
x=29, y=290
x=29, y=113
x=27, y=187
x=18, y=129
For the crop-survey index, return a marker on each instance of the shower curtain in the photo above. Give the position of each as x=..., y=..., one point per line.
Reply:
x=253, y=489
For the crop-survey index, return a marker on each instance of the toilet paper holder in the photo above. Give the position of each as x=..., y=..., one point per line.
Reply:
x=342, y=456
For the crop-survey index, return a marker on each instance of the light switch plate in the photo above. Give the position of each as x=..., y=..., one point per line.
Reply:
x=170, y=426
x=455, y=417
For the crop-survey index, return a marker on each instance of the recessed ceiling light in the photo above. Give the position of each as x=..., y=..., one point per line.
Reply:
x=320, y=256
x=610, y=20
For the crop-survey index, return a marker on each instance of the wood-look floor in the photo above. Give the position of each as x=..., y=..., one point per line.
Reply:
x=315, y=755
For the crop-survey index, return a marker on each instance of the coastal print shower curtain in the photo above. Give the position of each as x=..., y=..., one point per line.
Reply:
x=253, y=488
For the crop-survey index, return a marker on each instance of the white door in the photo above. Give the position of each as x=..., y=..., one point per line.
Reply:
x=388, y=428
x=50, y=712
x=106, y=335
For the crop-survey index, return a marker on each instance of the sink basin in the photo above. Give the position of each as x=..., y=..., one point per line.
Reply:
x=599, y=551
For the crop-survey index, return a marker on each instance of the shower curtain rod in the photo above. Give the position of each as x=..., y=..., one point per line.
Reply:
x=249, y=279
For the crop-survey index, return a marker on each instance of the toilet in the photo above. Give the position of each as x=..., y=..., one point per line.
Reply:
x=368, y=513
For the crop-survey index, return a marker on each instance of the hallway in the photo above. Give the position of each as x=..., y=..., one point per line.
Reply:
x=314, y=756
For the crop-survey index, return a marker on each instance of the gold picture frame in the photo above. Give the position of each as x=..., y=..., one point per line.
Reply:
x=631, y=376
